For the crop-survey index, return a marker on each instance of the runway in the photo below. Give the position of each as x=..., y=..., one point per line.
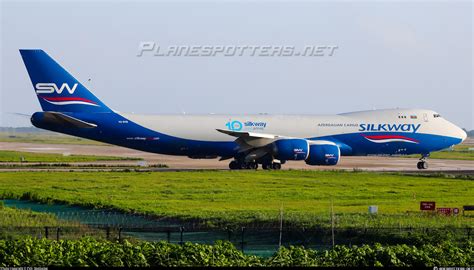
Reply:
x=370, y=163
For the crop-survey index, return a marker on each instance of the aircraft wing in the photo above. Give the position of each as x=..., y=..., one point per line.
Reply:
x=256, y=145
x=240, y=134
x=252, y=140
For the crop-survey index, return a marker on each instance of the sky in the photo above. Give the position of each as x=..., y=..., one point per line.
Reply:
x=407, y=54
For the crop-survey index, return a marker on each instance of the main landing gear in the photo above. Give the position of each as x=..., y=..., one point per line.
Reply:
x=271, y=166
x=238, y=165
x=423, y=164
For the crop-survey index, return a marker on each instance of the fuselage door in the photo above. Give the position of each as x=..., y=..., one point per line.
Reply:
x=425, y=117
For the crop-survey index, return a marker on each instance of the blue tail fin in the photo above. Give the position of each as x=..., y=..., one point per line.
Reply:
x=57, y=90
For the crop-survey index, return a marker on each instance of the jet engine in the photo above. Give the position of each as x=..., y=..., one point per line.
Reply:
x=323, y=153
x=312, y=152
x=290, y=149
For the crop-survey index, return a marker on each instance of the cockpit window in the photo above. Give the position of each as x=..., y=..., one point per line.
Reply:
x=436, y=115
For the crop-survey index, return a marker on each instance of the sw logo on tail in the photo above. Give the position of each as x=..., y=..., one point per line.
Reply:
x=50, y=88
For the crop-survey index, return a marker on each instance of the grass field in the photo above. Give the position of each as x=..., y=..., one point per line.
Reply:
x=12, y=217
x=21, y=223
x=44, y=137
x=14, y=156
x=231, y=197
x=458, y=152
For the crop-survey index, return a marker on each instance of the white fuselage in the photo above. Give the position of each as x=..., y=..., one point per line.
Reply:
x=203, y=127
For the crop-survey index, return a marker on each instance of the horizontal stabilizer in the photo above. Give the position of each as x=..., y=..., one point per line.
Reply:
x=65, y=120
x=20, y=114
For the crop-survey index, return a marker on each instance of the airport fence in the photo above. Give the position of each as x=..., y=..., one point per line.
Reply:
x=253, y=240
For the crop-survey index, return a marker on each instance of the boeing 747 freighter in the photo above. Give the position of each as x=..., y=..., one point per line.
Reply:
x=247, y=140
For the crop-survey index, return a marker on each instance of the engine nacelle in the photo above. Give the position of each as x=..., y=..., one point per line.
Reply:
x=291, y=149
x=323, y=153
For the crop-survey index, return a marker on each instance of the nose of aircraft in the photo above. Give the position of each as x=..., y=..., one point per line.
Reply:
x=458, y=133
x=455, y=131
x=463, y=134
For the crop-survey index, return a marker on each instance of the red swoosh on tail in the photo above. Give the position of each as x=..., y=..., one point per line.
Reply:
x=68, y=99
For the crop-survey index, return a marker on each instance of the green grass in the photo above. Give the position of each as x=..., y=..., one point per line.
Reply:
x=14, y=156
x=458, y=152
x=45, y=138
x=12, y=217
x=21, y=223
x=231, y=197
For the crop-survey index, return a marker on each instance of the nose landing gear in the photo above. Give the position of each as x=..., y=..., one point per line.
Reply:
x=423, y=164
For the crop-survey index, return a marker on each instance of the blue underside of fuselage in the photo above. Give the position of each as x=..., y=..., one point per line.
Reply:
x=138, y=137
x=355, y=144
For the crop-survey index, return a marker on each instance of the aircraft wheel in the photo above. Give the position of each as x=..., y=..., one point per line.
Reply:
x=276, y=166
x=422, y=165
x=234, y=165
x=266, y=166
x=253, y=165
x=248, y=165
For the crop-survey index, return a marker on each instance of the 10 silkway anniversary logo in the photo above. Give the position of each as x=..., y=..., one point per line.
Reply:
x=236, y=125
